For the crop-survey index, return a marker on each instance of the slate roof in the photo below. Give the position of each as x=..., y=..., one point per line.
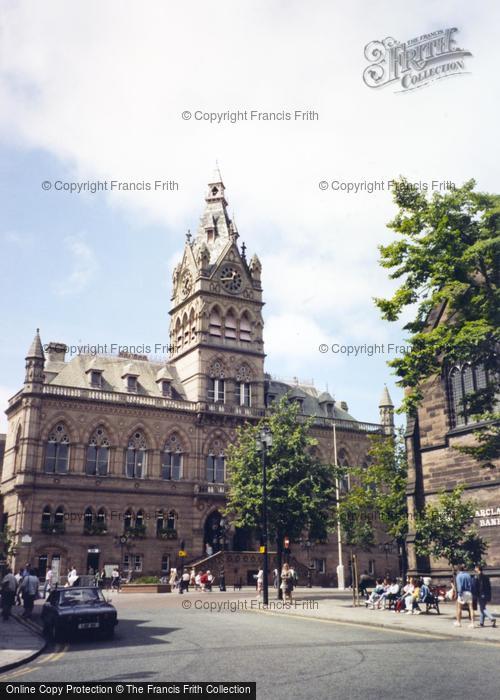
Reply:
x=75, y=374
x=314, y=403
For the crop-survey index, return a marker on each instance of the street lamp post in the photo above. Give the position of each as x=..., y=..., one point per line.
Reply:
x=340, y=567
x=264, y=441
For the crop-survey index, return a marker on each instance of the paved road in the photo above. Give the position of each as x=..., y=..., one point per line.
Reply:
x=157, y=640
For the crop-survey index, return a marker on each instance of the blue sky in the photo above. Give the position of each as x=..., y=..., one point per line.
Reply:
x=93, y=91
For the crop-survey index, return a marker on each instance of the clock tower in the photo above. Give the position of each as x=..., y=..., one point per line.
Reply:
x=216, y=316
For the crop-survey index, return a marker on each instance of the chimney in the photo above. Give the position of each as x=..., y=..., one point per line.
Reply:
x=56, y=352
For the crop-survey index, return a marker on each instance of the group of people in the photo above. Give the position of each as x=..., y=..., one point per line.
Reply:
x=389, y=594
x=197, y=581
x=286, y=581
x=103, y=581
x=14, y=587
x=469, y=592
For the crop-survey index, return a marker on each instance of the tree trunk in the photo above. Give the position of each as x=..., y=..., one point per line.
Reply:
x=404, y=558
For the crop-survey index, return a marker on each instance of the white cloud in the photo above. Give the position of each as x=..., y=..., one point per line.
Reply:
x=82, y=264
x=101, y=86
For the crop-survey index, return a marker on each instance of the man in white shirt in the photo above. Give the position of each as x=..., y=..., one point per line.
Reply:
x=72, y=577
x=47, y=586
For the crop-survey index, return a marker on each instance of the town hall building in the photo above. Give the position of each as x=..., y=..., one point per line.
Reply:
x=119, y=460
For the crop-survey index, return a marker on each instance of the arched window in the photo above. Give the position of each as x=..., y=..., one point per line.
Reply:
x=101, y=519
x=216, y=463
x=171, y=464
x=127, y=520
x=47, y=519
x=245, y=328
x=243, y=386
x=160, y=522
x=230, y=325
x=172, y=520
x=17, y=449
x=178, y=333
x=215, y=322
x=343, y=461
x=136, y=456
x=192, y=325
x=185, y=329
x=216, y=383
x=97, y=454
x=57, y=451
x=462, y=382
x=88, y=519
x=139, y=518
x=59, y=519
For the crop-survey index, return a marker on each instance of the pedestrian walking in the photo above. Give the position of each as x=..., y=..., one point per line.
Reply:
x=30, y=586
x=286, y=583
x=465, y=588
x=184, y=582
x=19, y=578
x=260, y=584
x=276, y=578
x=8, y=591
x=483, y=593
x=115, y=580
x=222, y=580
x=47, y=586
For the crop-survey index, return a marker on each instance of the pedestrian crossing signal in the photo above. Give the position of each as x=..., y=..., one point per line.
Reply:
x=182, y=553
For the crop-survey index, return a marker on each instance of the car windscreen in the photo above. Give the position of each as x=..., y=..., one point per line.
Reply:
x=81, y=596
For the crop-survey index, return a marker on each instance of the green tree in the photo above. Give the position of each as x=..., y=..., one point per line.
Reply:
x=300, y=490
x=7, y=545
x=445, y=530
x=378, y=489
x=447, y=257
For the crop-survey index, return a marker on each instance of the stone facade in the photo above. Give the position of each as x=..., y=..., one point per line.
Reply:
x=435, y=465
x=119, y=460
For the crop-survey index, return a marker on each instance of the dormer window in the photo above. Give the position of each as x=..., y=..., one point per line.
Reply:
x=329, y=410
x=166, y=388
x=131, y=383
x=96, y=378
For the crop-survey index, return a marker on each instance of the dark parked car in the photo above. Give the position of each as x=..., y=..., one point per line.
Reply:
x=69, y=611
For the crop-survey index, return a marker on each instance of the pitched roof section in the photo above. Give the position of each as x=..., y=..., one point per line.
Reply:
x=75, y=374
x=313, y=402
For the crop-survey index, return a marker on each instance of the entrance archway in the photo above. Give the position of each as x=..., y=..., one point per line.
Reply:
x=215, y=533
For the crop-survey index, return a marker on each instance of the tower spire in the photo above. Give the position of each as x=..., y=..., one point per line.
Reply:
x=386, y=410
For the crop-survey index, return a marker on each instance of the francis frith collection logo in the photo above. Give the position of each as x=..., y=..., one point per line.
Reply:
x=414, y=63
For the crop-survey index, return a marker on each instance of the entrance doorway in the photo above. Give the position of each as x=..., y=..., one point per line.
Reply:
x=215, y=532
x=92, y=561
x=42, y=566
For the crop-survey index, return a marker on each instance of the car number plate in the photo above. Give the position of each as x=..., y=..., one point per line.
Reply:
x=88, y=625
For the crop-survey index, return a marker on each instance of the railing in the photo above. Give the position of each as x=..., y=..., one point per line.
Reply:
x=136, y=399
x=233, y=410
x=192, y=406
x=53, y=528
x=166, y=533
x=210, y=489
x=352, y=425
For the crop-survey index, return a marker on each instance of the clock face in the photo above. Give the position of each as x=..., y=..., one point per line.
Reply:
x=231, y=279
x=186, y=284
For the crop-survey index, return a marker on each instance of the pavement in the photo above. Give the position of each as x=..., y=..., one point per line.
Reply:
x=20, y=642
x=321, y=649
x=338, y=607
